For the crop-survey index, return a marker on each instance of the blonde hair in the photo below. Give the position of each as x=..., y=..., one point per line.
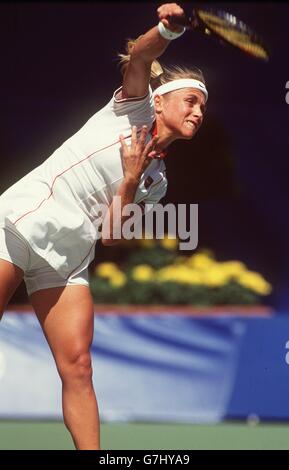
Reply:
x=161, y=74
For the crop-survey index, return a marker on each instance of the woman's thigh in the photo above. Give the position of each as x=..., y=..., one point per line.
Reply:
x=66, y=316
x=10, y=278
x=41, y=276
x=14, y=258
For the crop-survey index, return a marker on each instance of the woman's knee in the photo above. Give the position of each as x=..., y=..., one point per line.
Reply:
x=76, y=367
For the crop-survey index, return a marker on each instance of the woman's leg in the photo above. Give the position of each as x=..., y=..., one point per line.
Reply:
x=10, y=278
x=66, y=316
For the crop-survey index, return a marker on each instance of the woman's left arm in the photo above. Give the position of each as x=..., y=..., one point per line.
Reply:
x=149, y=47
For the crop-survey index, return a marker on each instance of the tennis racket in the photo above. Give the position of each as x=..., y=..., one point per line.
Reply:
x=226, y=28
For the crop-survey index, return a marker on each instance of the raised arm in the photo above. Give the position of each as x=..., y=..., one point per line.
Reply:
x=148, y=48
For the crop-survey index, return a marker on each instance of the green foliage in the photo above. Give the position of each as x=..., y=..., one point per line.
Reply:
x=156, y=257
x=196, y=279
x=171, y=293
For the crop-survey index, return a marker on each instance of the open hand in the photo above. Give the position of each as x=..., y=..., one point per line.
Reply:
x=137, y=156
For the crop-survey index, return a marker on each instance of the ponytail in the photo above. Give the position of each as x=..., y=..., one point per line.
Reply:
x=156, y=68
x=160, y=74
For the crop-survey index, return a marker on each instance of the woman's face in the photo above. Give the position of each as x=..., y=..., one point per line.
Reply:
x=181, y=112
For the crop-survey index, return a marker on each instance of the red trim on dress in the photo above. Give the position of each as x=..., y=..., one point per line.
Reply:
x=60, y=174
x=154, y=132
x=123, y=100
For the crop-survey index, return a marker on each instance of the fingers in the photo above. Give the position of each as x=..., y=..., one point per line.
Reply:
x=123, y=143
x=166, y=11
x=149, y=150
x=142, y=136
x=170, y=9
x=138, y=145
x=133, y=136
x=165, y=23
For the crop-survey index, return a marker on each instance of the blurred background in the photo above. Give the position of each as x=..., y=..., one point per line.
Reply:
x=217, y=339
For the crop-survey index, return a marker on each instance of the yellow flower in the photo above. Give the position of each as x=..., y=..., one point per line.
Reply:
x=215, y=277
x=181, y=274
x=254, y=281
x=201, y=261
x=143, y=273
x=118, y=279
x=169, y=243
x=232, y=268
x=106, y=269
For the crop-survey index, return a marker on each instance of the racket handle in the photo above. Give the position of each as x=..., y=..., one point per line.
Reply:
x=185, y=21
x=189, y=22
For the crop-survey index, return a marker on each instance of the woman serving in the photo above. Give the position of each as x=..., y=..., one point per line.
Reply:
x=49, y=220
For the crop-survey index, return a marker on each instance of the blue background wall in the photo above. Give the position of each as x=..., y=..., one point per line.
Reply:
x=168, y=367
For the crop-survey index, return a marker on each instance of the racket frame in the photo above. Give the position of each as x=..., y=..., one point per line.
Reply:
x=195, y=23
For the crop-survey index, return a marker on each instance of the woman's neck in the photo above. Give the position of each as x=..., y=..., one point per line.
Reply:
x=165, y=136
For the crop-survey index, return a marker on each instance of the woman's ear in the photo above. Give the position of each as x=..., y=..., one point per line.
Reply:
x=158, y=104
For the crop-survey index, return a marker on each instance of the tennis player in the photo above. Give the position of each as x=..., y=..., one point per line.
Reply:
x=50, y=222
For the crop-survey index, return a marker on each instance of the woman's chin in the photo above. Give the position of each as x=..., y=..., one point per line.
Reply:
x=187, y=135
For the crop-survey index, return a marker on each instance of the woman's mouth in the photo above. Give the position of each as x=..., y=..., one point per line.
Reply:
x=191, y=124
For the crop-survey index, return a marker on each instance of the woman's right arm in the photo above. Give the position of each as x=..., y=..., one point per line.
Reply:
x=148, y=48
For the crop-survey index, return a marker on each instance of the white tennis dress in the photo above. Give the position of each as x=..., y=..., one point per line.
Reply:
x=54, y=206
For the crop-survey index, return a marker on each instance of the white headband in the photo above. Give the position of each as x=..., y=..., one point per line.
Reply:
x=181, y=83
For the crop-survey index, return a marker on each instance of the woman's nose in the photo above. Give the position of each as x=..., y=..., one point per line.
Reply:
x=198, y=112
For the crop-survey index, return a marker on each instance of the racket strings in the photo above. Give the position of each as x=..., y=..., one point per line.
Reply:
x=235, y=32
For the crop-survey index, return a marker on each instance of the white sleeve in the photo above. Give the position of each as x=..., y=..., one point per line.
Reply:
x=142, y=108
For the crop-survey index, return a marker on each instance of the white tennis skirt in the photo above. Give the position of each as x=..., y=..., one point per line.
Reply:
x=38, y=274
